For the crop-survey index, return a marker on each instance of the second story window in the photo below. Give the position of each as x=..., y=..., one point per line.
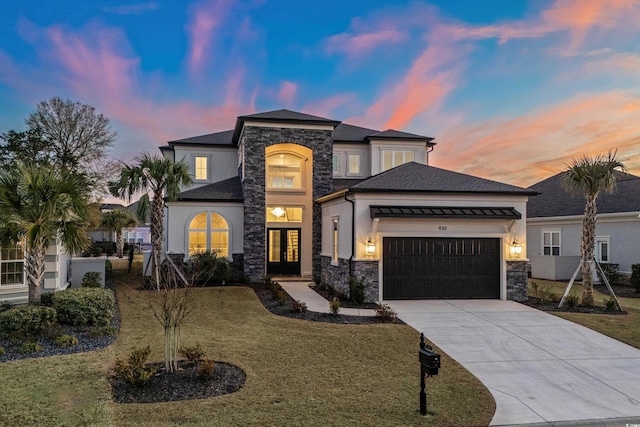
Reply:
x=551, y=242
x=393, y=158
x=354, y=164
x=201, y=168
x=336, y=163
x=284, y=171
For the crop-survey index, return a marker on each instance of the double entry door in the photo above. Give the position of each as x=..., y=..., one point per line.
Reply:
x=283, y=251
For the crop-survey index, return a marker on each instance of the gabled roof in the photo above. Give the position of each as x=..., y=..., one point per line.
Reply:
x=554, y=200
x=111, y=206
x=217, y=138
x=416, y=177
x=396, y=134
x=228, y=190
x=342, y=183
x=287, y=116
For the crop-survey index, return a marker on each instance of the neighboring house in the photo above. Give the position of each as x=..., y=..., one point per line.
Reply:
x=13, y=287
x=554, y=228
x=140, y=235
x=291, y=194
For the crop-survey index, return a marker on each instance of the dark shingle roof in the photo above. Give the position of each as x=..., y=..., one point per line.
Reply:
x=396, y=134
x=350, y=133
x=555, y=200
x=229, y=190
x=111, y=206
x=416, y=177
x=287, y=116
x=342, y=183
x=456, y=212
x=133, y=208
x=218, y=138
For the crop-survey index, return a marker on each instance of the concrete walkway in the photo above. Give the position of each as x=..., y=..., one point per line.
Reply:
x=315, y=302
x=540, y=368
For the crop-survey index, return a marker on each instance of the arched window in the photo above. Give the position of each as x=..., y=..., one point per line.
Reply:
x=209, y=232
x=284, y=171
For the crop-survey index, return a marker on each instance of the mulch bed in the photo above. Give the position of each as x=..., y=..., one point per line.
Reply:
x=181, y=385
x=553, y=306
x=271, y=304
x=329, y=295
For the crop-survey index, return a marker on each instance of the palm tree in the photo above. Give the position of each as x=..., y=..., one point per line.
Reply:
x=590, y=176
x=161, y=177
x=115, y=221
x=39, y=206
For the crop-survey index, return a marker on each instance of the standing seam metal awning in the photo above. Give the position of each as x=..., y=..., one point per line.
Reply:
x=455, y=212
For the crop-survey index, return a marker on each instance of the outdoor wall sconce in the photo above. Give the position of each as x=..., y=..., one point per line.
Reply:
x=516, y=248
x=370, y=248
x=278, y=212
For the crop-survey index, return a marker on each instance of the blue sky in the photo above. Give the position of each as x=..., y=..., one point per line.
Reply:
x=511, y=90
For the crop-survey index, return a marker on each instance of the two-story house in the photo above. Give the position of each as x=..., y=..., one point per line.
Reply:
x=291, y=194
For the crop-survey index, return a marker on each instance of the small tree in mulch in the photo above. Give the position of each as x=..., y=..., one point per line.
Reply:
x=170, y=308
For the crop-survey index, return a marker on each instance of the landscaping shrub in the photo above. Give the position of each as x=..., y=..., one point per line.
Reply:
x=298, y=306
x=84, y=306
x=356, y=289
x=205, y=370
x=386, y=313
x=571, y=301
x=66, y=341
x=275, y=287
x=91, y=279
x=27, y=321
x=635, y=277
x=2, y=351
x=334, y=306
x=610, y=304
x=610, y=272
x=46, y=298
x=266, y=280
x=30, y=347
x=5, y=305
x=282, y=297
x=194, y=354
x=541, y=292
x=133, y=371
x=207, y=268
x=51, y=332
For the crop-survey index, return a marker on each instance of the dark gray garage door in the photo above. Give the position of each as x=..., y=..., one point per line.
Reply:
x=425, y=267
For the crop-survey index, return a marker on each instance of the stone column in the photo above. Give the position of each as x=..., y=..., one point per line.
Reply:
x=517, y=280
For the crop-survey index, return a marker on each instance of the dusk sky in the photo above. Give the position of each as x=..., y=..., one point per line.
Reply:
x=510, y=90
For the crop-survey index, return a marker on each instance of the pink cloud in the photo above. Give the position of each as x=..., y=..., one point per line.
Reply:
x=360, y=44
x=287, y=93
x=544, y=140
x=205, y=18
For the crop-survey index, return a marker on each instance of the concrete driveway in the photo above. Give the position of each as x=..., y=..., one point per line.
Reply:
x=539, y=368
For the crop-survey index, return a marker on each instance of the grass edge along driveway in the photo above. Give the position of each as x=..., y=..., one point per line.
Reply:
x=298, y=373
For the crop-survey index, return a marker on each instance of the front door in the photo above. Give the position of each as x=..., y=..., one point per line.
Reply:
x=283, y=257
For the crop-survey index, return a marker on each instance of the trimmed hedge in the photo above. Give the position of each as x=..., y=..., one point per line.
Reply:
x=26, y=321
x=84, y=306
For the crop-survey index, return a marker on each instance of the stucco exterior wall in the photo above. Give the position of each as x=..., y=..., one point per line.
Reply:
x=623, y=231
x=342, y=150
x=223, y=162
x=180, y=214
x=377, y=146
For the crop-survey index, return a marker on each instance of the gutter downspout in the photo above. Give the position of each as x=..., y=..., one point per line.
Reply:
x=353, y=232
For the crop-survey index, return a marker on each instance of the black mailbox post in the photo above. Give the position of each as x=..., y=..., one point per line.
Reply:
x=429, y=365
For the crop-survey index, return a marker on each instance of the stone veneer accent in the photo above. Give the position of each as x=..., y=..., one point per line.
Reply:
x=338, y=276
x=516, y=280
x=256, y=139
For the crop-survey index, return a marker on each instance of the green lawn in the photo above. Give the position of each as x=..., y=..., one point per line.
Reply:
x=298, y=373
x=625, y=328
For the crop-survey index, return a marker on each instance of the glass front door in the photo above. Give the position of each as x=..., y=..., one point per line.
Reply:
x=283, y=256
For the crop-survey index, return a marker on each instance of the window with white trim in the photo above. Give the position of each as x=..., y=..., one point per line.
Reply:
x=209, y=232
x=336, y=163
x=284, y=171
x=11, y=266
x=393, y=158
x=354, y=164
x=334, y=252
x=201, y=168
x=551, y=242
x=603, y=246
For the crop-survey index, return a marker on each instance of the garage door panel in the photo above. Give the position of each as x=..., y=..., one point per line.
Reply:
x=418, y=267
